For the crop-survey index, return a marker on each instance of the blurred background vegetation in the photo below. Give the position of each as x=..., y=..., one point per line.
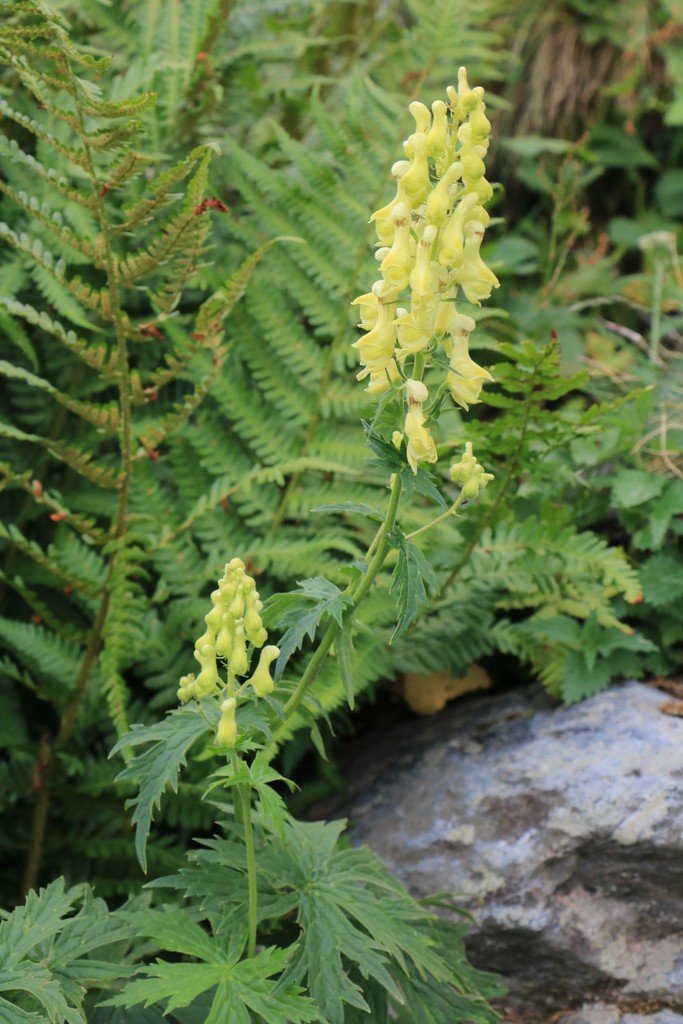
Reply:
x=306, y=103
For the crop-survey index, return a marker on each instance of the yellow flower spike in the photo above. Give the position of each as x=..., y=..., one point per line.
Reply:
x=395, y=266
x=397, y=439
x=429, y=241
x=437, y=136
x=420, y=447
x=440, y=199
x=453, y=235
x=474, y=277
x=237, y=659
x=226, y=733
x=262, y=682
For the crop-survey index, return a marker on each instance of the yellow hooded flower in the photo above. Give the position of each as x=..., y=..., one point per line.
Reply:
x=474, y=277
x=376, y=348
x=465, y=377
x=262, y=682
x=420, y=447
x=395, y=266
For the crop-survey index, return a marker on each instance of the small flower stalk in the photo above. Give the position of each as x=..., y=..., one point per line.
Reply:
x=429, y=241
x=234, y=630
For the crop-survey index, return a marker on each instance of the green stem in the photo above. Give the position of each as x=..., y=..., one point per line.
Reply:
x=656, y=320
x=380, y=545
x=245, y=801
x=439, y=519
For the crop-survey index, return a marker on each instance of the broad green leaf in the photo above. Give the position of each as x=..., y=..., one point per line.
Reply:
x=633, y=487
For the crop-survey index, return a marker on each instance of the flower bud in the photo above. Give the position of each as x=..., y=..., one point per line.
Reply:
x=469, y=474
x=208, y=679
x=225, y=637
x=238, y=660
x=186, y=688
x=262, y=682
x=437, y=136
x=416, y=391
x=226, y=733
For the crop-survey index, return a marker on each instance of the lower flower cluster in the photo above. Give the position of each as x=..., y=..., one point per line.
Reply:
x=234, y=629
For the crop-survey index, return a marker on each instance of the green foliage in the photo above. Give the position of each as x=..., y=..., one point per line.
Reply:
x=234, y=438
x=157, y=768
x=355, y=935
x=241, y=987
x=294, y=613
x=46, y=954
x=413, y=579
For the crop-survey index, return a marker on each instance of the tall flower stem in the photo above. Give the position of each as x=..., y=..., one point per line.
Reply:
x=379, y=545
x=245, y=801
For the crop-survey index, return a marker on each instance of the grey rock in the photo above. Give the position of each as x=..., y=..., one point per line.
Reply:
x=601, y=1013
x=561, y=830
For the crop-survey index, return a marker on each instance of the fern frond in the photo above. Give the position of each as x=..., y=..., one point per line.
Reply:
x=104, y=417
x=93, y=354
x=80, y=461
x=46, y=561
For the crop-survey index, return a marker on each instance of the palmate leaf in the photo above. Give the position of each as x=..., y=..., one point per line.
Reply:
x=294, y=612
x=45, y=954
x=243, y=987
x=158, y=766
x=359, y=927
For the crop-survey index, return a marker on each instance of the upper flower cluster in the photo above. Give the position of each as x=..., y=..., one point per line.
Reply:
x=429, y=237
